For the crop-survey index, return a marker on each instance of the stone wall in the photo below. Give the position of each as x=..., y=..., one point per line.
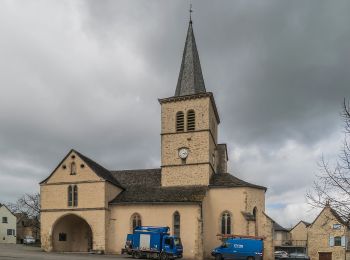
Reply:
x=201, y=143
x=157, y=215
x=319, y=234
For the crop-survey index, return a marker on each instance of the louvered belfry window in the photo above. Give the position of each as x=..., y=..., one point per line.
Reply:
x=180, y=124
x=191, y=121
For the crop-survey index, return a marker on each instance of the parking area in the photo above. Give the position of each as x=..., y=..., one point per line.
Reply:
x=13, y=252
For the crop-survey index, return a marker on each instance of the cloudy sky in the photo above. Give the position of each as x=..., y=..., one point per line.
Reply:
x=87, y=75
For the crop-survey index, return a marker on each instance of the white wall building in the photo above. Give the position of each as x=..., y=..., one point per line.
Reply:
x=7, y=226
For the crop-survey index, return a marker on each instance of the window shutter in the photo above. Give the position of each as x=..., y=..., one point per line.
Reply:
x=343, y=241
x=331, y=241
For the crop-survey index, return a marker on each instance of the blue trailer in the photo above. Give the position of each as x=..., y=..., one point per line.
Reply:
x=238, y=247
x=153, y=242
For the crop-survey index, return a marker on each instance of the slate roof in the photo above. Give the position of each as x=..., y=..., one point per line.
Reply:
x=278, y=227
x=98, y=169
x=142, y=177
x=138, y=194
x=226, y=180
x=190, y=79
x=144, y=186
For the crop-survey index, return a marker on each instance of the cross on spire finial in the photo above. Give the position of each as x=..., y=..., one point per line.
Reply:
x=191, y=11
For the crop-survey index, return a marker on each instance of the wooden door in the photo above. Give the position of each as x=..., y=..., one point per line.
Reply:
x=325, y=256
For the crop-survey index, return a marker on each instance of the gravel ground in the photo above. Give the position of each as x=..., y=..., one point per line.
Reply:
x=22, y=252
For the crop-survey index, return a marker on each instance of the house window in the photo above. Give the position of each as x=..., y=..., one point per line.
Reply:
x=135, y=221
x=337, y=241
x=226, y=223
x=4, y=219
x=73, y=169
x=336, y=226
x=62, y=237
x=11, y=232
x=176, y=221
x=73, y=195
x=191, y=121
x=180, y=124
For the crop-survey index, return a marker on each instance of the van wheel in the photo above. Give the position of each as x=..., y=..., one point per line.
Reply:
x=218, y=257
x=163, y=256
x=137, y=255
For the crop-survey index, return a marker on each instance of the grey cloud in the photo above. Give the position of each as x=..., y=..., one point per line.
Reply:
x=87, y=75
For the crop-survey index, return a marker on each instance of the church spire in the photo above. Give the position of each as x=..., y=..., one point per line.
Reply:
x=190, y=77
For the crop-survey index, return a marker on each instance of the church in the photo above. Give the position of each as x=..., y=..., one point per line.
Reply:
x=86, y=207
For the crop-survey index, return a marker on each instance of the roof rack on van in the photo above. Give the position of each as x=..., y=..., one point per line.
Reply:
x=225, y=236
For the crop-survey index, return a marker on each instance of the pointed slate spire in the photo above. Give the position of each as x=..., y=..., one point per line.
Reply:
x=190, y=77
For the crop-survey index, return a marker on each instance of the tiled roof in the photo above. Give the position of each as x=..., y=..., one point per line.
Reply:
x=143, y=177
x=226, y=180
x=99, y=170
x=278, y=227
x=139, y=194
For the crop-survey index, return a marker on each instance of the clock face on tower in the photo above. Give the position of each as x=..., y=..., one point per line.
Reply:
x=183, y=153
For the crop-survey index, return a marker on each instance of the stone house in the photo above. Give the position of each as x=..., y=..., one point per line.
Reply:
x=27, y=227
x=87, y=207
x=328, y=236
x=7, y=226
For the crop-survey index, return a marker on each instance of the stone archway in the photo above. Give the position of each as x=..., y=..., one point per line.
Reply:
x=71, y=233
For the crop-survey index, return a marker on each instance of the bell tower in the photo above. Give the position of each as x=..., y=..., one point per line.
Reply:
x=189, y=122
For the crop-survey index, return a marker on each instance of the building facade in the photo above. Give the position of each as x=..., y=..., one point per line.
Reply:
x=27, y=227
x=7, y=226
x=87, y=207
x=328, y=237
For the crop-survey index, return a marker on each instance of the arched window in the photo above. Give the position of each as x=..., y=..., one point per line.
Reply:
x=191, y=121
x=176, y=221
x=70, y=196
x=75, y=196
x=180, y=124
x=73, y=169
x=135, y=221
x=226, y=223
x=255, y=214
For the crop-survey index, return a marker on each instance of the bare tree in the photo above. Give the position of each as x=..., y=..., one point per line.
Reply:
x=29, y=205
x=332, y=186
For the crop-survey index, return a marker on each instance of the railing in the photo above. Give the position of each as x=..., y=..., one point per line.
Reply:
x=291, y=243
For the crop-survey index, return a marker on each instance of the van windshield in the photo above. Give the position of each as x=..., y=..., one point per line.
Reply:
x=177, y=241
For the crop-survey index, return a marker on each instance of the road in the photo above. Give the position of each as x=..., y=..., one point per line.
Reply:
x=22, y=252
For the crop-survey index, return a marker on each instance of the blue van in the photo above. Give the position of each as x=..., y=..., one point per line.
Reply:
x=240, y=248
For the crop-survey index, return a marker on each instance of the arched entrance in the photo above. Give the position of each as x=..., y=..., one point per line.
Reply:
x=71, y=233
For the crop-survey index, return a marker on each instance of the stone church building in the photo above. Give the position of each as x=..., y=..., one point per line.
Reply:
x=86, y=207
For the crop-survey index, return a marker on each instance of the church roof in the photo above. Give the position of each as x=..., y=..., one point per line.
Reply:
x=142, y=177
x=139, y=194
x=144, y=186
x=190, y=79
x=226, y=180
x=98, y=169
